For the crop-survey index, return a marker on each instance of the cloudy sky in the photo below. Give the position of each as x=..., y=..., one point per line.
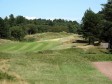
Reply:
x=49, y=9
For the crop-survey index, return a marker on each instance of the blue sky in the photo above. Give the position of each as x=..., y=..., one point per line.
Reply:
x=49, y=9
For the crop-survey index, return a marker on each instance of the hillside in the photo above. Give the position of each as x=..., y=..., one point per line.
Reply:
x=59, y=60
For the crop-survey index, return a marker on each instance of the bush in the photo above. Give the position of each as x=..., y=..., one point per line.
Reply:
x=17, y=33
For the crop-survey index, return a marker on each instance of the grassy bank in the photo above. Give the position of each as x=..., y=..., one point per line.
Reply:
x=54, y=67
x=51, y=62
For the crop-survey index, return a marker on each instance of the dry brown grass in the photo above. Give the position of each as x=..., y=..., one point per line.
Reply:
x=4, y=67
x=3, y=41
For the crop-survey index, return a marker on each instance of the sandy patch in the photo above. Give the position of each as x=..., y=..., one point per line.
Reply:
x=105, y=68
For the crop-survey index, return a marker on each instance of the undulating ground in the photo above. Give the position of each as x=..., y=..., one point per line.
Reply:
x=59, y=60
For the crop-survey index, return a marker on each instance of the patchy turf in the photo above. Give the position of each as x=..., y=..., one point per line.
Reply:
x=53, y=67
x=46, y=36
x=49, y=44
x=52, y=61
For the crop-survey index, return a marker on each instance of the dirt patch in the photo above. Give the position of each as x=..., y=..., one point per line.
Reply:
x=85, y=47
x=105, y=68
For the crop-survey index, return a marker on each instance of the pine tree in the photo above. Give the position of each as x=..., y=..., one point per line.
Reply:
x=90, y=23
x=107, y=13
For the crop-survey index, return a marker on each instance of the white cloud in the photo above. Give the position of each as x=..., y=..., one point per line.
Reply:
x=30, y=18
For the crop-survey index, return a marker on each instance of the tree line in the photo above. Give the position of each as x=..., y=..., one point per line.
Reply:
x=98, y=26
x=16, y=28
x=94, y=26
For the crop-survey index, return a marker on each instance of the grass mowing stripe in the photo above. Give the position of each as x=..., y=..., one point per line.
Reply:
x=24, y=47
x=30, y=46
x=10, y=48
x=17, y=46
x=50, y=45
x=27, y=47
x=6, y=46
x=42, y=46
x=35, y=47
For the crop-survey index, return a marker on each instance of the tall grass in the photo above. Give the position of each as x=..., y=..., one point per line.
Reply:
x=69, y=66
x=41, y=63
x=5, y=76
x=46, y=36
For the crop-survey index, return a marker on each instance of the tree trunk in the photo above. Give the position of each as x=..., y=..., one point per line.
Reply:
x=89, y=41
x=110, y=45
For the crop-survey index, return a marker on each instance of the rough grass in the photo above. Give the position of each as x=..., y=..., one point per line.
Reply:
x=50, y=62
x=48, y=44
x=55, y=67
x=46, y=36
x=4, y=75
x=97, y=54
x=4, y=41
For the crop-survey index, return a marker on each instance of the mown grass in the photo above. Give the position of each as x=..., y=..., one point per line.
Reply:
x=50, y=62
x=46, y=44
x=22, y=47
